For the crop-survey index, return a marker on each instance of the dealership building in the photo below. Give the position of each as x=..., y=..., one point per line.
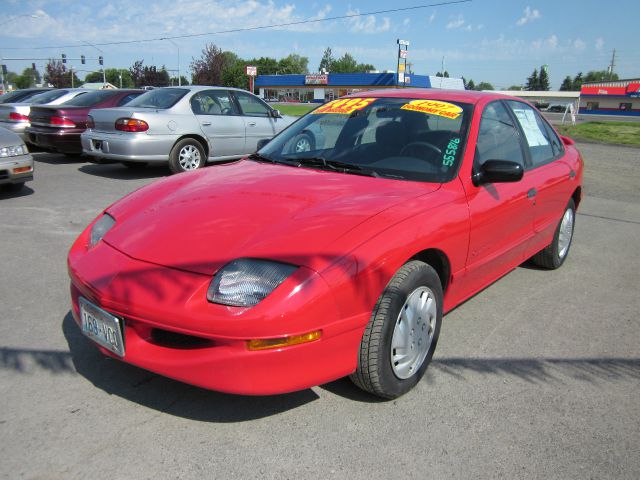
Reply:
x=325, y=87
x=620, y=97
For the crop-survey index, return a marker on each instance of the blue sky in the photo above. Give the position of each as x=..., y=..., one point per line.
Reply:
x=498, y=41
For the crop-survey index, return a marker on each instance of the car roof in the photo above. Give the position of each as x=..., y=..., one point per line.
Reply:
x=463, y=96
x=205, y=87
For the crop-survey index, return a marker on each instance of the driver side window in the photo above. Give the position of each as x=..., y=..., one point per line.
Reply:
x=498, y=138
x=213, y=102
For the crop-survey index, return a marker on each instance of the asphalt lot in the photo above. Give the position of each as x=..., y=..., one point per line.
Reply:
x=536, y=377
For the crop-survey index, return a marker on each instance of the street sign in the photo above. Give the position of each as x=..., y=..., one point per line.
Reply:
x=403, y=42
x=252, y=71
x=403, y=53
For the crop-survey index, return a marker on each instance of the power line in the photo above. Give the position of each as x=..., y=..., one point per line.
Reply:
x=260, y=27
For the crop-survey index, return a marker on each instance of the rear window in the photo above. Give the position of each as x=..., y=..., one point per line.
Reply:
x=159, y=98
x=47, y=97
x=19, y=96
x=90, y=99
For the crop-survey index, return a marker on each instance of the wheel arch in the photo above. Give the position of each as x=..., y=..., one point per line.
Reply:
x=438, y=261
x=199, y=138
x=577, y=196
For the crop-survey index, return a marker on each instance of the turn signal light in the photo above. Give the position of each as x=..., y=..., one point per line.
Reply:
x=268, y=343
x=22, y=169
x=18, y=117
x=131, y=125
x=61, y=122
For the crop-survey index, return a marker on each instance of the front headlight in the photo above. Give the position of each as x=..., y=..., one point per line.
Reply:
x=100, y=228
x=246, y=282
x=13, y=151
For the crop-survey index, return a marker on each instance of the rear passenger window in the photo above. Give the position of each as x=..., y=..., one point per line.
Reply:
x=498, y=138
x=128, y=98
x=535, y=133
x=213, y=102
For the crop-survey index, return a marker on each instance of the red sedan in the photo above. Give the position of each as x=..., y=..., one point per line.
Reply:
x=58, y=128
x=293, y=268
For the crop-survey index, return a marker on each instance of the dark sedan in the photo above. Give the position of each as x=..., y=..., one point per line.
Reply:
x=22, y=95
x=58, y=128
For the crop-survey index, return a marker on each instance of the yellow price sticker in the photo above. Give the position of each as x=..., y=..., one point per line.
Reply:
x=434, y=107
x=344, y=106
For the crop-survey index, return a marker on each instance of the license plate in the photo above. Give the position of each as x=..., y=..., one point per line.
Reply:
x=97, y=144
x=102, y=327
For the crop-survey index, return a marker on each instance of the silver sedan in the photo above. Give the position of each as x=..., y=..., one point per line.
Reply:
x=16, y=164
x=184, y=126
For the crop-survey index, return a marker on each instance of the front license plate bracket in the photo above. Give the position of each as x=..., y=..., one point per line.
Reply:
x=103, y=328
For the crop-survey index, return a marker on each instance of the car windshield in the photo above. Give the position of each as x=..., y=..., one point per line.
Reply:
x=159, y=98
x=47, y=97
x=402, y=138
x=90, y=99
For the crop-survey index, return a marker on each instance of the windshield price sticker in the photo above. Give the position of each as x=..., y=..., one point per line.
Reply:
x=450, y=154
x=345, y=106
x=433, y=107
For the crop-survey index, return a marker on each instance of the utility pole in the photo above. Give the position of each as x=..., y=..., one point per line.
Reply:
x=613, y=64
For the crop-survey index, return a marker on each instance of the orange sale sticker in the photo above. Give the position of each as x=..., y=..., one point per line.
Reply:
x=344, y=106
x=434, y=107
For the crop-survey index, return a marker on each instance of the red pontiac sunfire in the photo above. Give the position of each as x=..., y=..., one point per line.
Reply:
x=334, y=250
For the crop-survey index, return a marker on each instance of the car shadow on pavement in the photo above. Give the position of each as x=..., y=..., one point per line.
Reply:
x=57, y=158
x=117, y=171
x=163, y=394
x=6, y=192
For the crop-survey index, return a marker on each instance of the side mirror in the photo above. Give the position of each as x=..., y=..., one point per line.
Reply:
x=262, y=142
x=276, y=113
x=498, y=171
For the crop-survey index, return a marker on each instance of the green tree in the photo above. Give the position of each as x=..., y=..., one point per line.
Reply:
x=234, y=71
x=600, y=76
x=515, y=88
x=327, y=61
x=484, y=86
x=28, y=78
x=444, y=75
x=577, y=82
x=470, y=85
x=543, y=80
x=93, y=77
x=345, y=64
x=265, y=65
x=173, y=81
x=533, y=81
x=293, y=63
x=114, y=74
x=567, y=84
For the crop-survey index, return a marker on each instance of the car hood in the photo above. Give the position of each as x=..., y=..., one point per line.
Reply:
x=199, y=221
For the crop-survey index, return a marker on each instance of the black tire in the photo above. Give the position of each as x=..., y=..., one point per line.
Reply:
x=553, y=256
x=135, y=165
x=187, y=144
x=375, y=372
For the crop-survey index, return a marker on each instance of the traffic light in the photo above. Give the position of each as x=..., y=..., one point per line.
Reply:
x=33, y=67
x=82, y=59
x=64, y=58
x=101, y=60
x=4, y=69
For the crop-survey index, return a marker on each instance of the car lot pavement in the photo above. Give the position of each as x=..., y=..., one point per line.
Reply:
x=536, y=377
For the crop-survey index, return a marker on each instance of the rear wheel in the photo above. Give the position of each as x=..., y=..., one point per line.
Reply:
x=554, y=255
x=401, y=336
x=187, y=155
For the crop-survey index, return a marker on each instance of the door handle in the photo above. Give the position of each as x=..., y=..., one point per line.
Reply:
x=206, y=124
x=251, y=124
x=532, y=193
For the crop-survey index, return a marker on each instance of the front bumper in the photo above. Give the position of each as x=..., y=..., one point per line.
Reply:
x=171, y=329
x=12, y=169
x=59, y=140
x=130, y=147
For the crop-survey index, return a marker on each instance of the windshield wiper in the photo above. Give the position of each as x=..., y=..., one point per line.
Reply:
x=261, y=158
x=333, y=165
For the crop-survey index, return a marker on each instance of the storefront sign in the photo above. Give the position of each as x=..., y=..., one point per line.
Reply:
x=320, y=79
x=404, y=53
x=252, y=71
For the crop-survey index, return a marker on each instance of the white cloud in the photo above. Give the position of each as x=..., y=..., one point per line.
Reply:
x=368, y=23
x=432, y=17
x=579, y=45
x=550, y=43
x=599, y=43
x=456, y=23
x=529, y=16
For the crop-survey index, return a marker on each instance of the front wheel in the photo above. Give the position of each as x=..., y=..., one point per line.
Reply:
x=554, y=255
x=402, y=333
x=187, y=155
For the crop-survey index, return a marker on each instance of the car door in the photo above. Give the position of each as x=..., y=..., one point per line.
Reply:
x=501, y=215
x=258, y=120
x=220, y=121
x=547, y=174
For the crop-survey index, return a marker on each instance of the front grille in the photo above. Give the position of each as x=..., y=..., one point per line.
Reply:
x=169, y=339
x=4, y=174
